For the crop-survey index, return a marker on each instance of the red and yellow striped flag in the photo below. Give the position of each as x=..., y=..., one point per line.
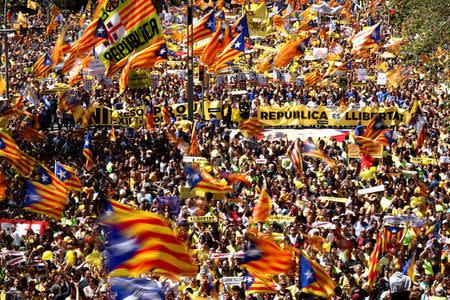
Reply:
x=262, y=208
x=152, y=245
x=252, y=128
x=312, y=78
x=42, y=66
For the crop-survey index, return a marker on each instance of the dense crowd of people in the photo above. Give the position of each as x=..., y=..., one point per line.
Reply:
x=139, y=169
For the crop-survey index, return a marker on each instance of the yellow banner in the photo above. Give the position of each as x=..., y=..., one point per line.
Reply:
x=275, y=218
x=139, y=79
x=424, y=160
x=321, y=115
x=202, y=219
x=334, y=199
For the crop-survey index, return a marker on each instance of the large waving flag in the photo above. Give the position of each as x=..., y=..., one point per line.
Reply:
x=241, y=26
x=204, y=27
x=203, y=181
x=289, y=51
x=115, y=207
x=87, y=152
x=262, y=208
x=42, y=66
x=235, y=48
x=45, y=199
x=257, y=286
x=374, y=128
x=393, y=235
x=67, y=175
x=61, y=48
x=22, y=162
x=314, y=279
x=265, y=257
x=212, y=48
x=146, y=58
x=130, y=26
x=141, y=242
x=48, y=178
x=312, y=78
x=365, y=40
x=93, y=35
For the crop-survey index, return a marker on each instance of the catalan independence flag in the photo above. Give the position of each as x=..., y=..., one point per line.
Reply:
x=312, y=150
x=112, y=133
x=393, y=234
x=295, y=155
x=45, y=199
x=262, y=208
x=68, y=176
x=194, y=149
x=235, y=49
x=87, y=152
x=241, y=26
x=374, y=128
x=22, y=162
x=265, y=257
x=365, y=40
x=146, y=59
x=141, y=242
x=312, y=78
x=113, y=207
x=8, y=147
x=257, y=286
x=204, y=27
x=203, y=181
x=48, y=178
x=150, y=117
x=252, y=128
x=409, y=268
x=42, y=66
x=313, y=278
x=166, y=112
x=373, y=260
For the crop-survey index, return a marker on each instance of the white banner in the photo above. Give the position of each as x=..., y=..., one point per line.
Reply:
x=375, y=189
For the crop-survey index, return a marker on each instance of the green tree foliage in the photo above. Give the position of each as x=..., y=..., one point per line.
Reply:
x=424, y=23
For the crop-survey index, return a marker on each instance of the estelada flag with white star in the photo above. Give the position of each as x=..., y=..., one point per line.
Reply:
x=87, y=152
x=42, y=66
x=67, y=175
x=265, y=257
x=235, y=48
x=313, y=279
x=45, y=199
x=47, y=177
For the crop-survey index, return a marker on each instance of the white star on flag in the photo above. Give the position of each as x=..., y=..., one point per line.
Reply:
x=44, y=178
x=62, y=174
x=309, y=274
x=239, y=28
x=209, y=24
x=237, y=45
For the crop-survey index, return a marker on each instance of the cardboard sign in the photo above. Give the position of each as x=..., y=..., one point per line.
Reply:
x=262, y=80
x=232, y=280
x=231, y=79
x=235, y=200
x=190, y=159
x=285, y=219
x=139, y=79
x=88, y=83
x=381, y=79
x=227, y=255
x=334, y=199
x=354, y=151
x=202, y=219
x=154, y=79
x=375, y=189
x=252, y=77
x=220, y=81
x=362, y=74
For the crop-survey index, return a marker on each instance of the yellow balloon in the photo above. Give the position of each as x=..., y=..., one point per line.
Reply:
x=70, y=257
x=47, y=255
x=115, y=114
x=208, y=168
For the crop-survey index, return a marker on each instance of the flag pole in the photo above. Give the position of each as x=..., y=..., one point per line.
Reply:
x=190, y=60
x=6, y=51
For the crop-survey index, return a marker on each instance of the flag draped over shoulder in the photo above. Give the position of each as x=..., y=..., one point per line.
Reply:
x=136, y=288
x=313, y=279
x=265, y=257
x=141, y=242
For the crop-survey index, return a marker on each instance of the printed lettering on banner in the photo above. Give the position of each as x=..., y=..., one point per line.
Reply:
x=285, y=219
x=202, y=219
x=95, y=67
